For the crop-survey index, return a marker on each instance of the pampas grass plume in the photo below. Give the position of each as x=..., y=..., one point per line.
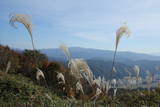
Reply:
x=136, y=70
x=65, y=49
x=114, y=70
x=79, y=87
x=8, y=66
x=39, y=74
x=23, y=19
x=123, y=30
x=60, y=76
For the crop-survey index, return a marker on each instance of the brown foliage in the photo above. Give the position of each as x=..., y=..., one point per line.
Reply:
x=8, y=55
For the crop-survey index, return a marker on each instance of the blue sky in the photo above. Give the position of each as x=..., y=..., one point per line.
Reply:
x=83, y=23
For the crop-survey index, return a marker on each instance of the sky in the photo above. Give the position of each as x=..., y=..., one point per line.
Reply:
x=83, y=23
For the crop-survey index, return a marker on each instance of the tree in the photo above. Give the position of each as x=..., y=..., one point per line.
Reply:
x=40, y=57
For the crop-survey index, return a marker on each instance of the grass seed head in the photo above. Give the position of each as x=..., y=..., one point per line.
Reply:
x=39, y=74
x=23, y=19
x=123, y=30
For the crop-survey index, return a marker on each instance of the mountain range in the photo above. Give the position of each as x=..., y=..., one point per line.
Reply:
x=100, y=60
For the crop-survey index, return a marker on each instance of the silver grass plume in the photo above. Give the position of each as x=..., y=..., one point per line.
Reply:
x=98, y=92
x=114, y=82
x=123, y=30
x=103, y=84
x=99, y=78
x=80, y=69
x=114, y=70
x=107, y=87
x=84, y=69
x=74, y=69
x=77, y=66
x=23, y=19
x=8, y=66
x=136, y=69
x=72, y=63
x=79, y=87
x=65, y=49
x=60, y=76
x=39, y=74
x=115, y=92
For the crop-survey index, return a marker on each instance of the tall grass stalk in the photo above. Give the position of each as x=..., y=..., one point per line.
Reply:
x=8, y=66
x=107, y=87
x=79, y=87
x=84, y=69
x=115, y=92
x=60, y=76
x=24, y=19
x=66, y=52
x=39, y=75
x=136, y=69
x=123, y=30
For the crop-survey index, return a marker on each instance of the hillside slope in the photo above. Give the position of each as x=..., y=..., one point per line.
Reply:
x=19, y=91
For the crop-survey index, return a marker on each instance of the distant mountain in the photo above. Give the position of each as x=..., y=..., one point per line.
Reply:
x=96, y=54
x=100, y=60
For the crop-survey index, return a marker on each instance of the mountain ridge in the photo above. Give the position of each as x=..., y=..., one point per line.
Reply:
x=90, y=53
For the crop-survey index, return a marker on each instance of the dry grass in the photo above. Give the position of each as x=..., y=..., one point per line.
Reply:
x=123, y=30
x=23, y=19
x=136, y=69
x=39, y=74
x=79, y=87
x=8, y=66
x=65, y=49
x=60, y=76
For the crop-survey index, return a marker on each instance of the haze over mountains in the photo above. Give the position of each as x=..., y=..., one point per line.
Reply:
x=100, y=60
